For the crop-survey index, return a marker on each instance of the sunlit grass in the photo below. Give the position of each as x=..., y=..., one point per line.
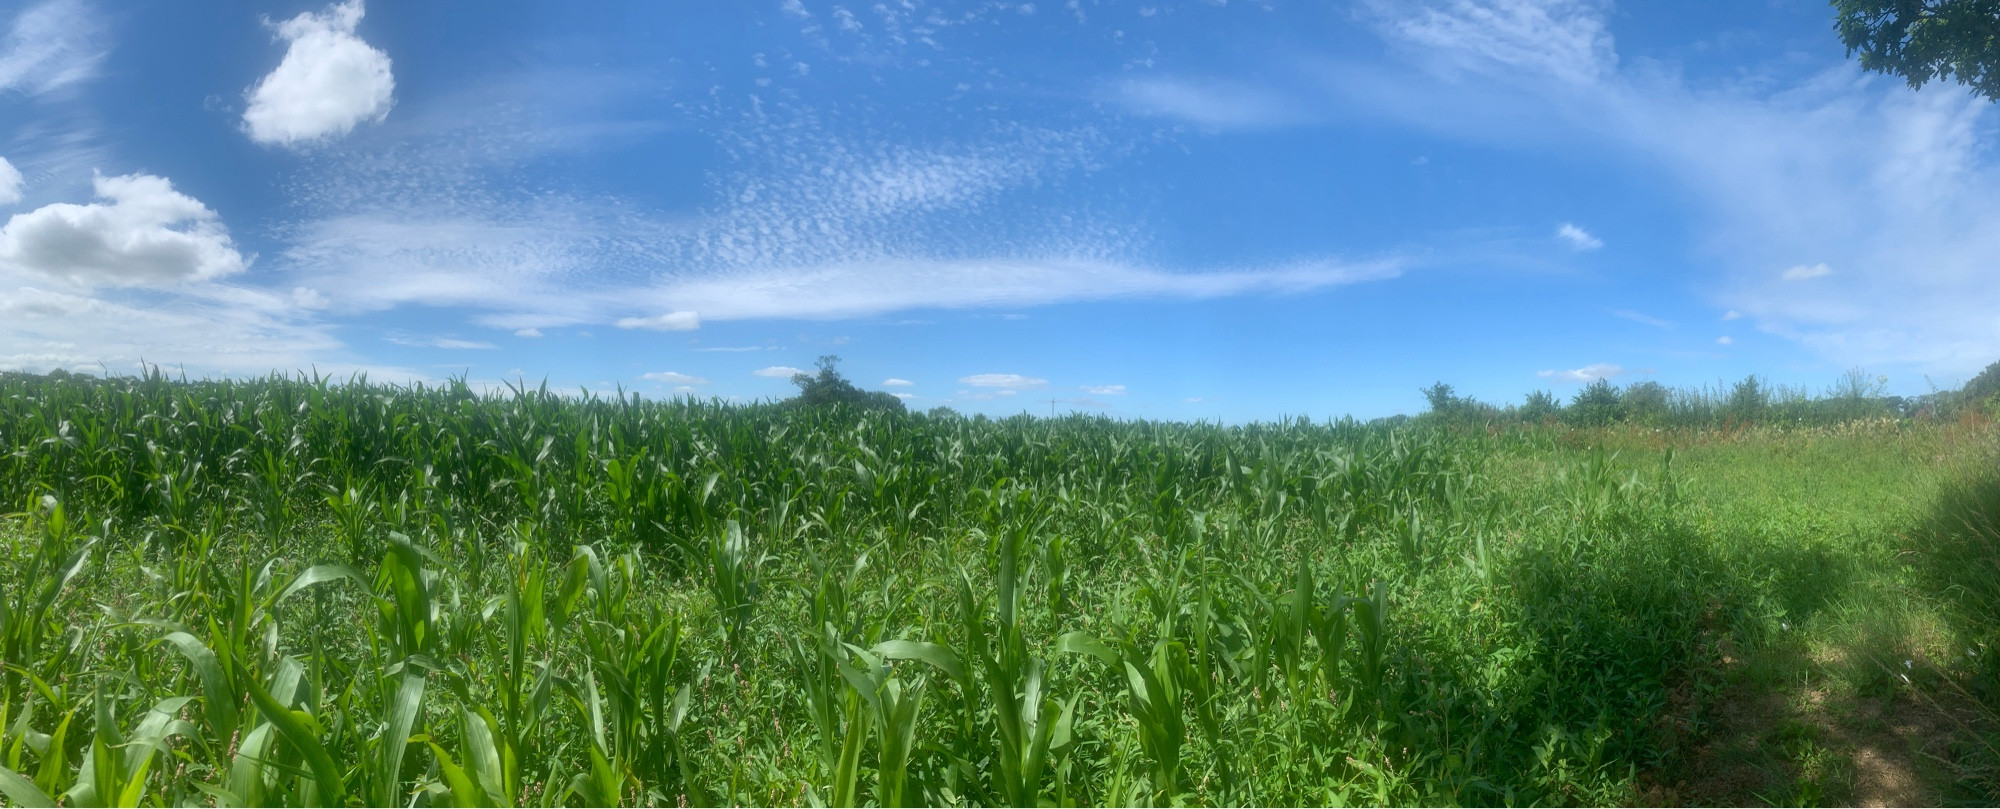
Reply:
x=291, y=592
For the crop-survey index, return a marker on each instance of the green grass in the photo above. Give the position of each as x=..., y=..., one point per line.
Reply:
x=291, y=592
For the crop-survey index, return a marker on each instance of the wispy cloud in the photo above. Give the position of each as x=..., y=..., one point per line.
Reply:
x=805, y=224
x=1012, y=381
x=438, y=342
x=1588, y=373
x=671, y=321
x=1725, y=340
x=896, y=383
x=1642, y=317
x=1208, y=103
x=1804, y=272
x=1564, y=40
x=673, y=378
x=51, y=46
x=1579, y=239
x=1103, y=390
x=10, y=183
x=1896, y=188
x=860, y=289
x=779, y=372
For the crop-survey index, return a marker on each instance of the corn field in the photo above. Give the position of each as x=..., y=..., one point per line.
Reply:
x=292, y=592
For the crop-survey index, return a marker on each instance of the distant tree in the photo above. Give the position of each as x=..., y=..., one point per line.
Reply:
x=1645, y=402
x=828, y=387
x=1747, y=400
x=1597, y=404
x=1983, y=391
x=1858, y=384
x=1540, y=407
x=1921, y=40
x=1441, y=398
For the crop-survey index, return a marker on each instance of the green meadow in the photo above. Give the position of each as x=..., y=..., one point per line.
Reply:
x=289, y=592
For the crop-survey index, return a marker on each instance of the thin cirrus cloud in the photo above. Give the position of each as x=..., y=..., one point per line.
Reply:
x=673, y=378
x=448, y=343
x=1897, y=188
x=1588, y=373
x=893, y=382
x=1642, y=317
x=860, y=289
x=779, y=372
x=671, y=321
x=51, y=46
x=328, y=82
x=1210, y=103
x=1805, y=272
x=1009, y=381
x=145, y=232
x=807, y=225
x=1103, y=390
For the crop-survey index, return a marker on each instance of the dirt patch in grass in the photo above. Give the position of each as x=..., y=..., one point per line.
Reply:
x=1825, y=745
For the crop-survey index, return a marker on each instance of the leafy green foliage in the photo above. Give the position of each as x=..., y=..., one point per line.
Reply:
x=1921, y=40
x=828, y=387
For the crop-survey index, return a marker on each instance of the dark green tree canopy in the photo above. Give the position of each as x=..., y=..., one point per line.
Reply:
x=828, y=387
x=1921, y=40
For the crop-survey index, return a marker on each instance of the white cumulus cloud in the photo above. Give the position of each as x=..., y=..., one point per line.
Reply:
x=328, y=82
x=1803, y=272
x=10, y=183
x=147, y=233
x=671, y=321
x=1002, y=381
x=778, y=372
x=896, y=383
x=674, y=378
x=1579, y=239
x=1588, y=373
x=1104, y=390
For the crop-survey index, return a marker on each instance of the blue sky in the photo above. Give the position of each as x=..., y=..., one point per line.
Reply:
x=1233, y=210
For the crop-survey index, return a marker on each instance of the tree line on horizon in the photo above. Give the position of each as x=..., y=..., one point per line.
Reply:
x=1856, y=395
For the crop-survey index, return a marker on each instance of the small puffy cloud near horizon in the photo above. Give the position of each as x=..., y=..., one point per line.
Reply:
x=893, y=382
